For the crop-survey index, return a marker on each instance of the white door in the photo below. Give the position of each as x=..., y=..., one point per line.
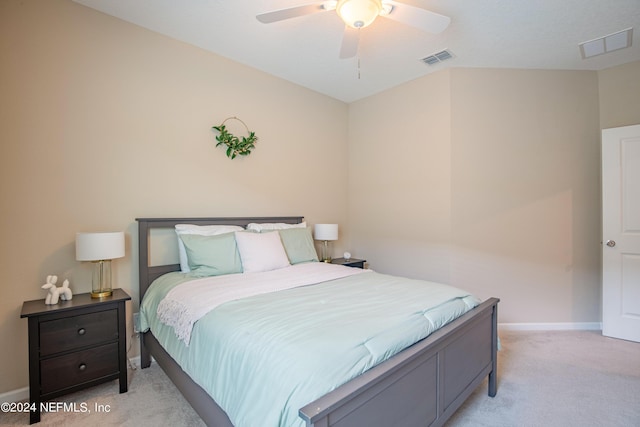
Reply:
x=621, y=232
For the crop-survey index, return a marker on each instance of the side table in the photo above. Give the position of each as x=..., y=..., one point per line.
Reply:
x=351, y=262
x=74, y=345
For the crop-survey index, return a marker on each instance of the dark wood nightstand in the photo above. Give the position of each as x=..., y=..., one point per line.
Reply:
x=75, y=344
x=351, y=262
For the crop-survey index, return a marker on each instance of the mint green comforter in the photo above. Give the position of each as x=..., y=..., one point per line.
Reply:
x=264, y=357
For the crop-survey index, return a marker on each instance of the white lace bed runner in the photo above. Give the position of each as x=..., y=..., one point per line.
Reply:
x=186, y=303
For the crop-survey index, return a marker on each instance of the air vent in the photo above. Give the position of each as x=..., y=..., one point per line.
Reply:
x=438, y=57
x=620, y=40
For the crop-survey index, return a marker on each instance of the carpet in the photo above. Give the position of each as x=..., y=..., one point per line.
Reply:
x=559, y=378
x=152, y=400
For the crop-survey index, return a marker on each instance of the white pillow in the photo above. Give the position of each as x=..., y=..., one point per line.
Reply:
x=261, y=251
x=201, y=230
x=268, y=226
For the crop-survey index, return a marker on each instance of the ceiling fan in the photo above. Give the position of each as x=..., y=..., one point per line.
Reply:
x=358, y=14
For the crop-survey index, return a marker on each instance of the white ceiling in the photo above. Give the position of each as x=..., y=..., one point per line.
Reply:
x=539, y=34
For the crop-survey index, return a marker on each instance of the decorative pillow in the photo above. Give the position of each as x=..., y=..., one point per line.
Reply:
x=202, y=230
x=212, y=255
x=261, y=251
x=268, y=226
x=298, y=243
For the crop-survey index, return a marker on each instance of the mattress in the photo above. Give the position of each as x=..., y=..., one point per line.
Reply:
x=262, y=357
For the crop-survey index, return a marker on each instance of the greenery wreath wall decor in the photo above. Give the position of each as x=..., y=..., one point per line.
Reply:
x=235, y=146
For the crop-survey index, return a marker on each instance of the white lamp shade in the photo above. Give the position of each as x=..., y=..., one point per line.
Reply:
x=358, y=13
x=325, y=231
x=99, y=246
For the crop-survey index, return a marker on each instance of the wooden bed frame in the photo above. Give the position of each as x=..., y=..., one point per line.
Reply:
x=421, y=386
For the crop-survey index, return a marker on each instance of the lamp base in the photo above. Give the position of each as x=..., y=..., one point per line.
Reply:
x=102, y=294
x=101, y=281
x=326, y=257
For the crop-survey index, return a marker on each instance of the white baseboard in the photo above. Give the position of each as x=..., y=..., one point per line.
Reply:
x=568, y=326
x=15, y=395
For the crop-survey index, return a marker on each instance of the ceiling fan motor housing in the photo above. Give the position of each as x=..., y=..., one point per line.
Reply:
x=358, y=13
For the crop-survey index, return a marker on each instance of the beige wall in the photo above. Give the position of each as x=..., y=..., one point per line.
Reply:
x=400, y=179
x=103, y=122
x=525, y=190
x=620, y=95
x=485, y=179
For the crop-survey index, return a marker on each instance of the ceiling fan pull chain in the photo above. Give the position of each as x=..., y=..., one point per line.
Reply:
x=358, y=52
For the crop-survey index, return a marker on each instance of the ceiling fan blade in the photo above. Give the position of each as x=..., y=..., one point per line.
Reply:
x=350, y=40
x=292, y=12
x=422, y=19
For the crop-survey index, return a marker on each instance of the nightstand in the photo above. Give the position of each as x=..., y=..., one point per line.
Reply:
x=75, y=344
x=351, y=262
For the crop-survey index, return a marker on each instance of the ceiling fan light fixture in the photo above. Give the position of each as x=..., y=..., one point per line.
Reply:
x=387, y=8
x=358, y=13
x=329, y=5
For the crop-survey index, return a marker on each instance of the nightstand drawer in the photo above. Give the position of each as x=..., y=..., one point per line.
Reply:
x=72, y=369
x=78, y=331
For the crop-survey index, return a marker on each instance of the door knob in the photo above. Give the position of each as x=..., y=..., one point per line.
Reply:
x=611, y=243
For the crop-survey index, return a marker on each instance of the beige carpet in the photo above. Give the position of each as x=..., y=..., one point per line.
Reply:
x=564, y=379
x=152, y=400
x=559, y=378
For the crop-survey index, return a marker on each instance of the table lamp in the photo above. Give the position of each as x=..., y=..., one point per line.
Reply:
x=100, y=249
x=325, y=232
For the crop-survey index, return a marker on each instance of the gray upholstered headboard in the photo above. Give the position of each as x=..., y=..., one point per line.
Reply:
x=149, y=273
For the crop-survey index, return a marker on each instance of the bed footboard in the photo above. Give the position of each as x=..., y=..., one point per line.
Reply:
x=421, y=386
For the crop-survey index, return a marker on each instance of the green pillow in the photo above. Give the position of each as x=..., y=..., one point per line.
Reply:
x=212, y=255
x=298, y=243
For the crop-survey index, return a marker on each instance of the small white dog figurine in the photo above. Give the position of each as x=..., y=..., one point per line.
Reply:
x=65, y=291
x=55, y=293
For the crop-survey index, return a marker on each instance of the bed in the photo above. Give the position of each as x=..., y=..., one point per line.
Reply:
x=422, y=385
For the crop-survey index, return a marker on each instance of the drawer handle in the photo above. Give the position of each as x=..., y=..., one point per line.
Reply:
x=81, y=331
x=82, y=367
